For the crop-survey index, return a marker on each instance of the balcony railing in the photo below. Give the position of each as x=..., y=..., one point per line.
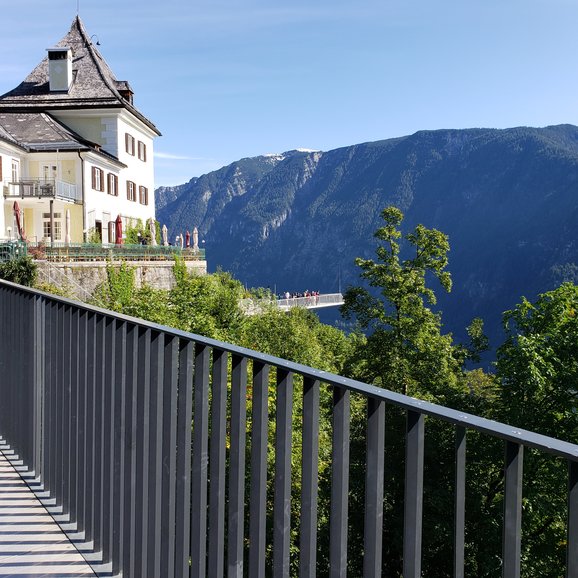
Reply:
x=101, y=407
x=42, y=188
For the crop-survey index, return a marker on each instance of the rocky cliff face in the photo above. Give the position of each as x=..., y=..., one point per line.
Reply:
x=508, y=199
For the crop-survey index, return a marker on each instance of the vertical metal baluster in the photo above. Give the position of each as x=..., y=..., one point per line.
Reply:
x=59, y=398
x=572, y=523
x=98, y=433
x=217, y=461
x=142, y=443
x=199, y=470
x=47, y=465
x=512, y=535
x=413, y=495
x=109, y=417
x=169, y=456
x=309, y=479
x=339, y=484
x=154, y=474
x=91, y=346
x=258, y=496
x=282, y=485
x=375, y=461
x=460, y=502
x=118, y=524
x=73, y=424
x=83, y=325
x=184, y=422
x=237, y=467
x=66, y=407
x=130, y=528
x=39, y=353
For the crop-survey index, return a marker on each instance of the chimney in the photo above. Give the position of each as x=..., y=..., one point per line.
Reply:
x=59, y=69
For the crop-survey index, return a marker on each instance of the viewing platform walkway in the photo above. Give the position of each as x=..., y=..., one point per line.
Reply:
x=252, y=306
x=31, y=542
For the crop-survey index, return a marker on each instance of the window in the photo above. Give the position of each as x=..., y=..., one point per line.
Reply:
x=57, y=226
x=15, y=170
x=111, y=232
x=112, y=184
x=49, y=172
x=129, y=143
x=130, y=191
x=142, y=151
x=97, y=179
x=143, y=195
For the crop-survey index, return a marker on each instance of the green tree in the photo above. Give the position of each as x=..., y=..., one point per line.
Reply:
x=537, y=368
x=405, y=349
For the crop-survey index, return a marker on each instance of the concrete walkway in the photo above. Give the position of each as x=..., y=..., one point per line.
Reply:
x=31, y=542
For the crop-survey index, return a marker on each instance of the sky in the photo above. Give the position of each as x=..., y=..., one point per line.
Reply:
x=228, y=79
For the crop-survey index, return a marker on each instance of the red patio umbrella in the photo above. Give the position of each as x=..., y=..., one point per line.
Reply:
x=16, y=208
x=118, y=231
x=187, y=239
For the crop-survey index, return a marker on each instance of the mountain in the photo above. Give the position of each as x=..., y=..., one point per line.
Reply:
x=508, y=199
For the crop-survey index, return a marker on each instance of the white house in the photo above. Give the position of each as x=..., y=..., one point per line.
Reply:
x=71, y=140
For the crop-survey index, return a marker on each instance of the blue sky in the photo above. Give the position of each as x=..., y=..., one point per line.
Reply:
x=227, y=79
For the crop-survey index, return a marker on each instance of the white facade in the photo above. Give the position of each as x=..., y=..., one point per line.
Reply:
x=93, y=161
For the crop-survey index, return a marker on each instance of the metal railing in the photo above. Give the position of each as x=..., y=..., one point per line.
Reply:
x=101, y=412
x=12, y=250
x=65, y=252
x=254, y=305
x=43, y=188
x=312, y=301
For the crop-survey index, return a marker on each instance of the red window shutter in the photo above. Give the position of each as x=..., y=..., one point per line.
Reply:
x=94, y=177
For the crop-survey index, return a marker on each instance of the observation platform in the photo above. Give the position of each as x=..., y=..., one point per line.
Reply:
x=252, y=306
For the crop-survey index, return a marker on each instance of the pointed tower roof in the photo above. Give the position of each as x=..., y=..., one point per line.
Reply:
x=93, y=82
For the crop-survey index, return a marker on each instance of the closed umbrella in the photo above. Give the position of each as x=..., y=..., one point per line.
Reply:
x=187, y=239
x=67, y=227
x=165, y=236
x=16, y=208
x=195, y=239
x=118, y=231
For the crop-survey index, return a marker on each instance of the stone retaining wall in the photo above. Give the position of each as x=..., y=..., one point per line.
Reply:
x=84, y=277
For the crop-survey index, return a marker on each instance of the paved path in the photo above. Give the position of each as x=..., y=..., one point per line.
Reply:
x=31, y=542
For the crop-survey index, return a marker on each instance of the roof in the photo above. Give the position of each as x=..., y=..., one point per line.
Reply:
x=93, y=86
x=39, y=131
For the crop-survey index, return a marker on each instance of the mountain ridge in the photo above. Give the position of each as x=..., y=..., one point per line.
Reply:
x=506, y=198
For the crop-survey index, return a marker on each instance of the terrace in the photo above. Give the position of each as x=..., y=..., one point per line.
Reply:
x=97, y=418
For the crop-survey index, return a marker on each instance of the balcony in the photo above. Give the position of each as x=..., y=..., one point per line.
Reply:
x=30, y=188
x=98, y=407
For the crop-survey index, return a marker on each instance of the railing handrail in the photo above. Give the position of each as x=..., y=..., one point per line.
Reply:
x=139, y=432
x=470, y=421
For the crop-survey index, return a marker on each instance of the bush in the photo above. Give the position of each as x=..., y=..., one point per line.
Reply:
x=22, y=271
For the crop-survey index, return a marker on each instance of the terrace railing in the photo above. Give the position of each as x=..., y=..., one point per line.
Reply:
x=100, y=409
x=69, y=252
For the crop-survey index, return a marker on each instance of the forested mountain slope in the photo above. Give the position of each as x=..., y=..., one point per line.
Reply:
x=508, y=199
